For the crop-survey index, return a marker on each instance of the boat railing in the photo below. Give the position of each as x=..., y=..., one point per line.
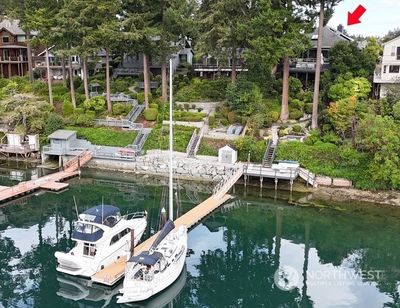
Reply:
x=135, y=215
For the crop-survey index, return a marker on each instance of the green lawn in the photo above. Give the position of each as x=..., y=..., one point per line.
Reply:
x=105, y=136
x=158, y=138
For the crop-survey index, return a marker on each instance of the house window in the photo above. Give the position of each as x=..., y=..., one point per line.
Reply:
x=394, y=69
x=398, y=53
x=6, y=39
x=384, y=69
x=89, y=249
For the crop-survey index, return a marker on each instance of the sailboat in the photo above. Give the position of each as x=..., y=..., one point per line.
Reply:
x=154, y=270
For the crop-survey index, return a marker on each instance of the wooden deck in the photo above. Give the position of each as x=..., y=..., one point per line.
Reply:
x=111, y=274
x=71, y=169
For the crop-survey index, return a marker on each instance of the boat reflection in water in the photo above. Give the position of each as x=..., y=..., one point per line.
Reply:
x=80, y=289
x=165, y=297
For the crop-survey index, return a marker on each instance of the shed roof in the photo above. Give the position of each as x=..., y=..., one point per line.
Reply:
x=62, y=134
x=228, y=147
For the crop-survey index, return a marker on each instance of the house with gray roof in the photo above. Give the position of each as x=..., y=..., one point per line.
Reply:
x=304, y=66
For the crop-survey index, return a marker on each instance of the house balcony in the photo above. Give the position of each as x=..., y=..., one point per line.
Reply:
x=17, y=59
x=13, y=45
x=198, y=67
x=386, y=78
x=307, y=65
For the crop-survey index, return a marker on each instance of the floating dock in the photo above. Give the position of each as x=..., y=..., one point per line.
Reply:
x=49, y=182
x=111, y=274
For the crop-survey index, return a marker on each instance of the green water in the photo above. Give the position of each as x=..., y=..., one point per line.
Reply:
x=343, y=257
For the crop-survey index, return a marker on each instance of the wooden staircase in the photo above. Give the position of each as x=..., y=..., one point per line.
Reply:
x=134, y=113
x=194, y=143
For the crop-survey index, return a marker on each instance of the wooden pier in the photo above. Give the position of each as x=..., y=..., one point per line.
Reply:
x=48, y=182
x=111, y=274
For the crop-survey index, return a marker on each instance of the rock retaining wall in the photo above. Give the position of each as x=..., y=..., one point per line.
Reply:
x=203, y=169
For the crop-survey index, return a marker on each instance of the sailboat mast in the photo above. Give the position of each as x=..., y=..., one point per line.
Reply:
x=171, y=135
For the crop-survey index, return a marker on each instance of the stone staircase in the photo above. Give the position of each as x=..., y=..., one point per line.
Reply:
x=140, y=139
x=194, y=143
x=269, y=154
x=134, y=113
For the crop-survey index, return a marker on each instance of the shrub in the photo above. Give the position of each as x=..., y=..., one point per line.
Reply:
x=151, y=114
x=273, y=115
x=308, y=108
x=97, y=104
x=232, y=118
x=199, y=109
x=331, y=137
x=91, y=115
x=224, y=122
x=297, y=128
x=153, y=106
x=82, y=120
x=296, y=104
x=53, y=123
x=140, y=97
x=119, y=109
x=186, y=106
x=79, y=111
x=396, y=111
x=211, y=120
x=295, y=114
x=68, y=109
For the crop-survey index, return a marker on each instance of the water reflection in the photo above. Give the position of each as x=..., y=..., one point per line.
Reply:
x=236, y=251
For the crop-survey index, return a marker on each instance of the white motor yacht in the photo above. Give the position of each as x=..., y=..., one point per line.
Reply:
x=152, y=271
x=102, y=235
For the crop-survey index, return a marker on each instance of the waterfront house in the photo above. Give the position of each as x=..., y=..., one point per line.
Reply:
x=304, y=66
x=387, y=73
x=132, y=63
x=210, y=66
x=13, y=49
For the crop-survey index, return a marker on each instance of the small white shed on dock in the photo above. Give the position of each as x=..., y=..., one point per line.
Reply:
x=227, y=155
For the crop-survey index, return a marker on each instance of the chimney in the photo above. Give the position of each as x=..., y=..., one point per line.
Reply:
x=340, y=28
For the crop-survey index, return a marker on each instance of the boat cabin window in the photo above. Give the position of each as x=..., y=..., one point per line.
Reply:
x=89, y=249
x=111, y=221
x=120, y=235
x=86, y=228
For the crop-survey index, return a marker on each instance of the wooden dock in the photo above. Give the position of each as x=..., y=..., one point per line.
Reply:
x=111, y=274
x=49, y=182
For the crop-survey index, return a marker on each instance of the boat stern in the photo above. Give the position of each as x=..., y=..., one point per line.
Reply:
x=71, y=265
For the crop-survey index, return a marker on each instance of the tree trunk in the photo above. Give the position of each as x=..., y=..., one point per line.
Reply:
x=85, y=78
x=29, y=52
x=108, y=87
x=71, y=82
x=49, y=77
x=233, y=74
x=64, y=74
x=314, y=119
x=285, y=91
x=146, y=80
x=164, y=80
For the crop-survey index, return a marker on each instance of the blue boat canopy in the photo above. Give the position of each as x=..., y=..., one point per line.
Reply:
x=99, y=214
x=146, y=259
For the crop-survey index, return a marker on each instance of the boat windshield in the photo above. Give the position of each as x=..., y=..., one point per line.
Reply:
x=86, y=228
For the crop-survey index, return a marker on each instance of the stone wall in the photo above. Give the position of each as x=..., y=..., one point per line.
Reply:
x=204, y=168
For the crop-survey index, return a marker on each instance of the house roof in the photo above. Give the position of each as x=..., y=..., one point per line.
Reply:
x=62, y=134
x=331, y=37
x=12, y=26
x=392, y=40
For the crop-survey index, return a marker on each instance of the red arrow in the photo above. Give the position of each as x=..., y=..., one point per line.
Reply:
x=354, y=18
